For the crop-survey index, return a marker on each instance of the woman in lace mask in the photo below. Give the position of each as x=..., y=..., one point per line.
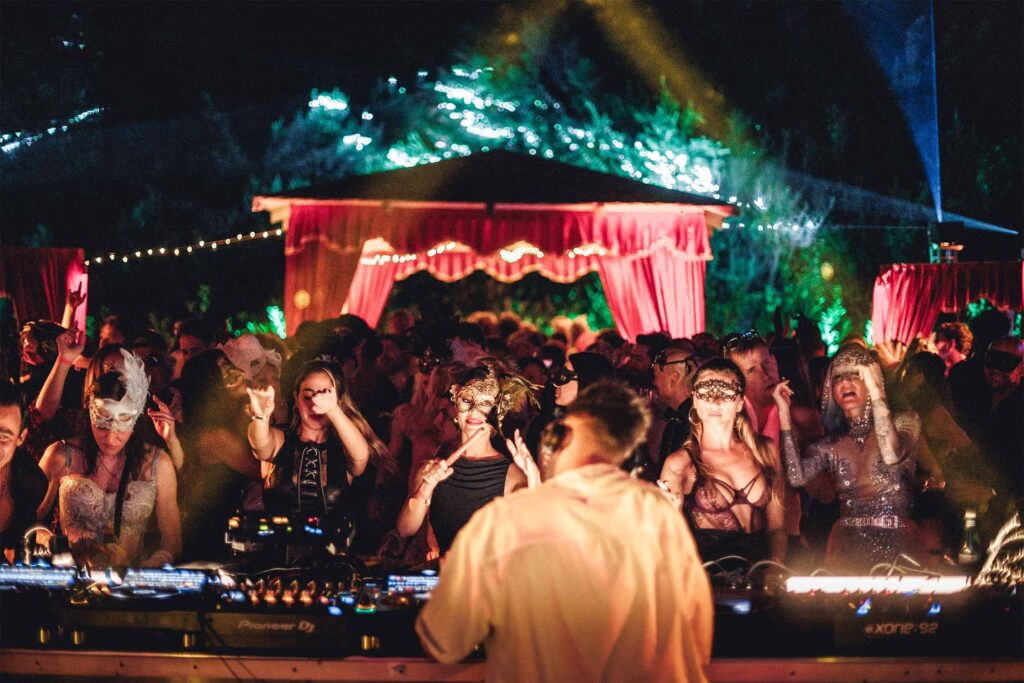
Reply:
x=727, y=476
x=869, y=455
x=110, y=479
x=446, y=491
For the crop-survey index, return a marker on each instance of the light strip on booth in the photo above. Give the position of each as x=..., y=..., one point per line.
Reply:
x=930, y=585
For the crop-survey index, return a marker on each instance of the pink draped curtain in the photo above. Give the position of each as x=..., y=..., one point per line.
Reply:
x=651, y=258
x=660, y=292
x=908, y=297
x=37, y=281
x=317, y=271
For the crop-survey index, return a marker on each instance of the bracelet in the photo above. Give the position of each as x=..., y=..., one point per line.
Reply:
x=63, y=361
x=426, y=501
x=258, y=418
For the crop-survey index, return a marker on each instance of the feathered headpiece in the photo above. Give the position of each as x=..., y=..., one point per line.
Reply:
x=120, y=415
x=248, y=355
x=513, y=392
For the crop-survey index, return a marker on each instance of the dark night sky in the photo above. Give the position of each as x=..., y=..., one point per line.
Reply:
x=785, y=65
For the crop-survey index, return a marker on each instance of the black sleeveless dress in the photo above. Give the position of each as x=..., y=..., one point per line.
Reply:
x=473, y=484
x=294, y=485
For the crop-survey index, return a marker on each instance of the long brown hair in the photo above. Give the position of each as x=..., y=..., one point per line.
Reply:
x=759, y=445
x=100, y=383
x=379, y=454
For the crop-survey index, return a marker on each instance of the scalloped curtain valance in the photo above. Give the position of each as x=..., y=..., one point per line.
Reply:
x=651, y=257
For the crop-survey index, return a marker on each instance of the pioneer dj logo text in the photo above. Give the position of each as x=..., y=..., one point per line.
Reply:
x=301, y=626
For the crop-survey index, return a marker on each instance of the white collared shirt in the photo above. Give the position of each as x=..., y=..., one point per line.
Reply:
x=590, y=576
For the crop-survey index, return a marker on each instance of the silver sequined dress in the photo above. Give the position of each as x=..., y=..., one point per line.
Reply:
x=875, y=499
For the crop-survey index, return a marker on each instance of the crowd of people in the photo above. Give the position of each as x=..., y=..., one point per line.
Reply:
x=138, y=447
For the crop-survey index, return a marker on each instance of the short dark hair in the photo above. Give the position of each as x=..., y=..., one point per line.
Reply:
x=470, y=332
x=149, y=338
x=508, y=322
x=196, y=327
x=10, y=396
x=623, y=415
x=655, y=341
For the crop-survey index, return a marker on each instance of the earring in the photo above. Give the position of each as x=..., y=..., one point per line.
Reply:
x=455, y=421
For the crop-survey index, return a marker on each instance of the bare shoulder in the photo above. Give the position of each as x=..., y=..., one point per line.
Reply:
x=55, y=457
x=679, y=461
x=156, y=463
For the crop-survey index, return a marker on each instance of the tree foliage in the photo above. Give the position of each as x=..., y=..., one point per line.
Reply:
x=765, y=258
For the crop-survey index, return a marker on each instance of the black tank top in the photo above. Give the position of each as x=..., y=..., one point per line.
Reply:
x=294, y=483
x=473, y=484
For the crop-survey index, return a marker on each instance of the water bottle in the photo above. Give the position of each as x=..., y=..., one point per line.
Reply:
x=970, y=544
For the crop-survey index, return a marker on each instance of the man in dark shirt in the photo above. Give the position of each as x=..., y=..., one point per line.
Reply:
x=673, y=367
x=22, y=483
x=1004, y=368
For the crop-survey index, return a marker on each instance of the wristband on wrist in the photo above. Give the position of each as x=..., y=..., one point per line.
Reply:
x=64, y=361
x=258, y=418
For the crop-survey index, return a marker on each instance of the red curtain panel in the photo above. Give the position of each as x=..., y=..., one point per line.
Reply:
x=346, y=255
x=908, y=297
x=37, y=281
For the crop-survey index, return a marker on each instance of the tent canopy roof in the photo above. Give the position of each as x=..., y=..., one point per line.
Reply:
x=497, y=177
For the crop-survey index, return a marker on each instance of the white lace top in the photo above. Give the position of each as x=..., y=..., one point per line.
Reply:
x=87, y=514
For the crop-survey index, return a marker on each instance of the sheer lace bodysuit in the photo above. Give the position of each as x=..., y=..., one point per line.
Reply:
x=711, y=505
x=710, y=509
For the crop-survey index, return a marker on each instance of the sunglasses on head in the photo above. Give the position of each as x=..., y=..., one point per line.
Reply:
x=734, y=341
x=661, y=360
x=564, y=376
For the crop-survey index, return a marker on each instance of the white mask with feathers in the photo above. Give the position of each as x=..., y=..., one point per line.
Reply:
x=121, y=415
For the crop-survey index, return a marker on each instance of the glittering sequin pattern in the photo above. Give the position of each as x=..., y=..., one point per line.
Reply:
x=875, y=498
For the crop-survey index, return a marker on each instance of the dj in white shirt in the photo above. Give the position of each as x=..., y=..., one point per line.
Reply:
x=591, y=575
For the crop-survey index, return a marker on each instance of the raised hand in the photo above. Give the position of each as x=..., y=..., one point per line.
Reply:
x=325, y=400
x=71, y=344
x=75, y=297
x=434, y=472
x=872, y=378
x=523, y=459
x=261, y=401
x=782, y=394
x=163, y=420
x=890, y=353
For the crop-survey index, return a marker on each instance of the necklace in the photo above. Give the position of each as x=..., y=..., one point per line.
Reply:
x=860, y=429
x=112, y=473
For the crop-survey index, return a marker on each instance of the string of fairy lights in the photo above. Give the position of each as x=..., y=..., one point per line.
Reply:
x=185, y=249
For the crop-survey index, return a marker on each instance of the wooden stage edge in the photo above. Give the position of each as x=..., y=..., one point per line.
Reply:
x=18, y=665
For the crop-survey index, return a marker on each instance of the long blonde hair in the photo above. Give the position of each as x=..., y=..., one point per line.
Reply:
x=759, y=445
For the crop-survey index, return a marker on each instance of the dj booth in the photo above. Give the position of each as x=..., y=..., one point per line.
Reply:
x=329, y=616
